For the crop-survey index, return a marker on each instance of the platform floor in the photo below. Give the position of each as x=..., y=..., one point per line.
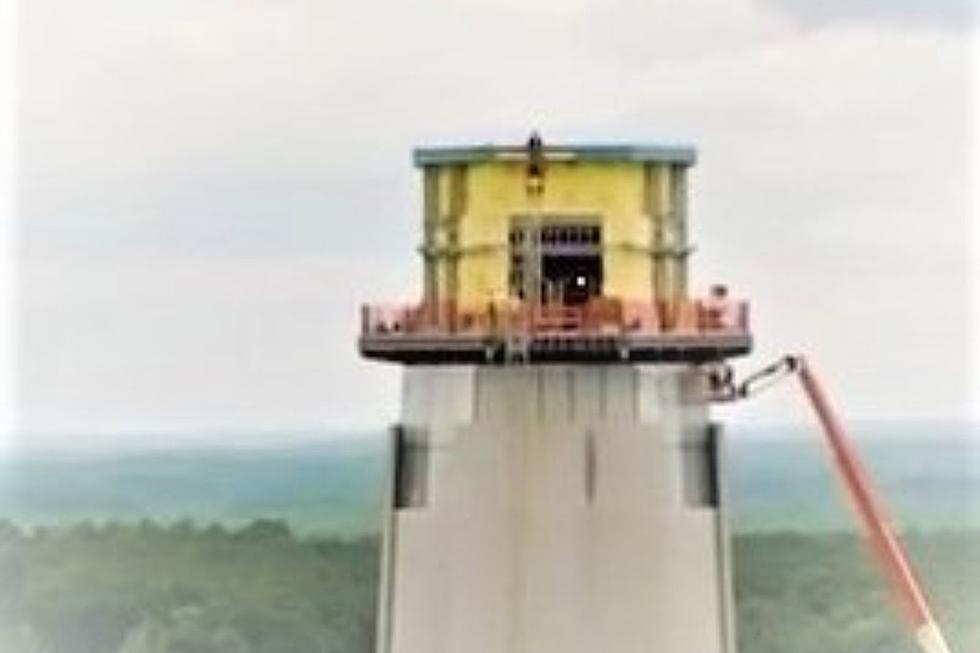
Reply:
x=541, y=348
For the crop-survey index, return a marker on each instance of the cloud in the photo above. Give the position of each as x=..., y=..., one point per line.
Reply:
x=945, y=14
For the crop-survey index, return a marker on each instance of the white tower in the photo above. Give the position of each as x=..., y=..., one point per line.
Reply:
x=556, y=484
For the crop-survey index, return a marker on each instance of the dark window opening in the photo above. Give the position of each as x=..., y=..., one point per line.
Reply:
x=411, y=468
x=699, y=460
x=571, y=279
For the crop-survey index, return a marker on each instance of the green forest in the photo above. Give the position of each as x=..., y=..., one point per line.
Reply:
x=142, y=587
x=819, y=593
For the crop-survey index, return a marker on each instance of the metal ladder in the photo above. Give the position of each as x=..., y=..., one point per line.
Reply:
x=517, y=343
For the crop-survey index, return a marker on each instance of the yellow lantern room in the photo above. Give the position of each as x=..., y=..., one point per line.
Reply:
x=545, y=252
x=610, y=221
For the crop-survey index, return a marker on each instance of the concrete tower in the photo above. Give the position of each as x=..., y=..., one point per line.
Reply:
x=556, y=482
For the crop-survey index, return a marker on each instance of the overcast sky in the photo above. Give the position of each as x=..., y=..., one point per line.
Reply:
x=208, y=188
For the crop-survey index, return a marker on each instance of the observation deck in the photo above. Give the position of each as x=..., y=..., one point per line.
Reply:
x=602, y=330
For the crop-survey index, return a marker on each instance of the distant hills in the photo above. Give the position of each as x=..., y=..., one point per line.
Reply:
x=928, y=475
x=331, y=488
x=326, y=483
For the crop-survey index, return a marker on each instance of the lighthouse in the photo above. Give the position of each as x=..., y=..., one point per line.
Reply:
x=556, y=482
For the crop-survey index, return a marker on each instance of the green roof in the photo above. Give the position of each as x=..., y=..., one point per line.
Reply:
x=645, y=153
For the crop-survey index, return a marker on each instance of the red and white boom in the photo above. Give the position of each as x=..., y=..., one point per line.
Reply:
x=881, y=538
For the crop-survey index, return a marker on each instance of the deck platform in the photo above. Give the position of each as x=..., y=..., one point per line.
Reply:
x=483, y=349
x=645, y=333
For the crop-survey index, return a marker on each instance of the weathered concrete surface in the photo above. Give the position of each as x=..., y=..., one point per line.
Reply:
x=563, y=512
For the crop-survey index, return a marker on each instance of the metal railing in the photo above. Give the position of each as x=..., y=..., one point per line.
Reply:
x=599, y=316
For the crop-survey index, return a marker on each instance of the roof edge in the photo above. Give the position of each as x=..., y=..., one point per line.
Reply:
x=640, y=153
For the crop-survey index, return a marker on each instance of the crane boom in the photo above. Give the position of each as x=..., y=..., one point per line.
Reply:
x=881, y=538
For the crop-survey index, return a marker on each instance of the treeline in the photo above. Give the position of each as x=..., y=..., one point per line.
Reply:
x=148, y=588
x=186, y=588
x=819, y=593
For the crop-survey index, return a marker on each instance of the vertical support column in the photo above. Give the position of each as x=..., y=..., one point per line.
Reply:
x=678, y=229
x=651, y=209
x=657, y=208
x=430, y=245
x=665, y=203
x=456, y=188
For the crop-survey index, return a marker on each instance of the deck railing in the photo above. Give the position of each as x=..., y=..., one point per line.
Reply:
x=599, y=316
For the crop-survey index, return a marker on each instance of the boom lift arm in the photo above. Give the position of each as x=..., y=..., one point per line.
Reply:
x=882, y=541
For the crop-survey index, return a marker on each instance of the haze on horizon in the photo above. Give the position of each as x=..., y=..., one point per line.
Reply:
x=207, y=191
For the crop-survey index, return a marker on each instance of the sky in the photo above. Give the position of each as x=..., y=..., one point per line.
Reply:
x=205, y=190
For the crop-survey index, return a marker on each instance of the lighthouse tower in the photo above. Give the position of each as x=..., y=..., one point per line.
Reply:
x=556, y=481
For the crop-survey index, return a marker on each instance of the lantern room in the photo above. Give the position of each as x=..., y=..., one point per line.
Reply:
x=551, y=247
x=608, y=220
